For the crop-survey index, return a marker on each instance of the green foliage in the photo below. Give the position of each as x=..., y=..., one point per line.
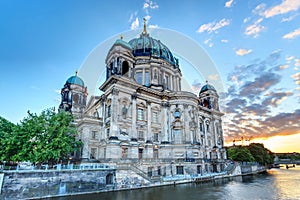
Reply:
x=240, y=153
x=6, y=130
x=262, y=155
x=48, y=137
x=254, y=152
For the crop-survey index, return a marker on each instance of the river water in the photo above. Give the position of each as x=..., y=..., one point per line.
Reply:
x=275, y=184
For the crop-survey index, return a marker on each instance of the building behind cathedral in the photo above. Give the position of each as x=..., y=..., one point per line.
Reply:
x=143, y=118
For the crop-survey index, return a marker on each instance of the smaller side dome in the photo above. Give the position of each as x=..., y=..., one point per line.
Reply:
x=123, y=43
x=207, y=87
x=75, y=80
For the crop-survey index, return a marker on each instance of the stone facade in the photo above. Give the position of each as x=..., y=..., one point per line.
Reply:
x=144, y=118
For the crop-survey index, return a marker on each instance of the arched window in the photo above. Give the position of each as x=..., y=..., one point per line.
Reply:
x=125, y=67
x=76, y=98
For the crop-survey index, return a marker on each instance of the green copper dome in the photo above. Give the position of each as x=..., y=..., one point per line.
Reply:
x=75, y=80
x=123, y=43
x=148, y=46
x=207, y=87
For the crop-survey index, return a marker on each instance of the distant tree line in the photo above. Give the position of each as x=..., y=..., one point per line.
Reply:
x=45, y=138
x=255, y=152
x=291, y=156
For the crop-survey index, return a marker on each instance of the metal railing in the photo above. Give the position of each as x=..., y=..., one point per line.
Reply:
x=58, y=167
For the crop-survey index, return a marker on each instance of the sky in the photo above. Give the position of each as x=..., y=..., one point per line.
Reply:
x=253, y=44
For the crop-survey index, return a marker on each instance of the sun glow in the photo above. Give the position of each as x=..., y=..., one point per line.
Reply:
x=277, y=144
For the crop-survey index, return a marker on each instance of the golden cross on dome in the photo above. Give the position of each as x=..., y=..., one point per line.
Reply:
x=76, y=72
x=121, y=36
x=145, y=26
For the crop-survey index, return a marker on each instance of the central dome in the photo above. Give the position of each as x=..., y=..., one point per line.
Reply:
x=148, y=46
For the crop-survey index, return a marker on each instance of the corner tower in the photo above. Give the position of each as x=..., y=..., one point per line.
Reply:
x=73, y=96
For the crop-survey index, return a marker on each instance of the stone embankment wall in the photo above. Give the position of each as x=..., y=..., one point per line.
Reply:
x=36, y=184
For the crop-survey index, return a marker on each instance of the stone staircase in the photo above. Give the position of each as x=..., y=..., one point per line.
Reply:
x=135, y=168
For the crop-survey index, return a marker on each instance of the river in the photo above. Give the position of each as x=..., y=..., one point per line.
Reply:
x=275, y=184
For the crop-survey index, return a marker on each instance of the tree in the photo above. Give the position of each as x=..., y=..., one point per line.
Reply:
x=48, y=137
x=262, y=155
x=6, y=130
x=240, y=153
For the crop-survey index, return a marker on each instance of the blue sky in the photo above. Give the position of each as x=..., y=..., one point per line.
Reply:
x=254, y=45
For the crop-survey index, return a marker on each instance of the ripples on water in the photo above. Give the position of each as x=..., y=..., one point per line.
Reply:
x=276, y=184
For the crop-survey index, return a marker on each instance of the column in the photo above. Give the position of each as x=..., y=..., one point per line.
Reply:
x=149, y=121
x=114, y=112
x=133, y=128
x=165, y=122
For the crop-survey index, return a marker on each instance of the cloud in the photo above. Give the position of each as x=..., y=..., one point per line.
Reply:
x=242, y=52
x=153, y=26
x=252, y=89
x=297, y=62
x=147, y=17
x=259, y=10
x=255, y=28
x=224, y=41
x=285, y=7
x=296, y=77
x=148, y=5
x=213, y=77
x=290, y=18
x=228, y=4
x=213, y=26
x=292, y=34
x=253, y=94
x=135, y=24
x=275, y=98
x=289, y=59
x=209, y=42
x=196, y=86
x=132, y=16
x=282, y=124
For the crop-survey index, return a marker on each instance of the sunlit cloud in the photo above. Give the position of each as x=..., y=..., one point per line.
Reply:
x=213, y=26
x=228, y=4
x=292, y=34
x=255, y=28
x=253, y=97
x=297, y=62
x=285, y=7
x=135, y=24
x=225, y=41
x=296, y=77
x=213, y=77
x=242, y=52
x=283, y=67
x=289, y=59
x=276, y=98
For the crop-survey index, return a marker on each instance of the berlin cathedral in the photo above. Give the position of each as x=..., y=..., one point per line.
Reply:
x=143, y=118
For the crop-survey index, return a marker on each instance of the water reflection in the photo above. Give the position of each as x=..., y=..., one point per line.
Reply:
x=276, y=184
